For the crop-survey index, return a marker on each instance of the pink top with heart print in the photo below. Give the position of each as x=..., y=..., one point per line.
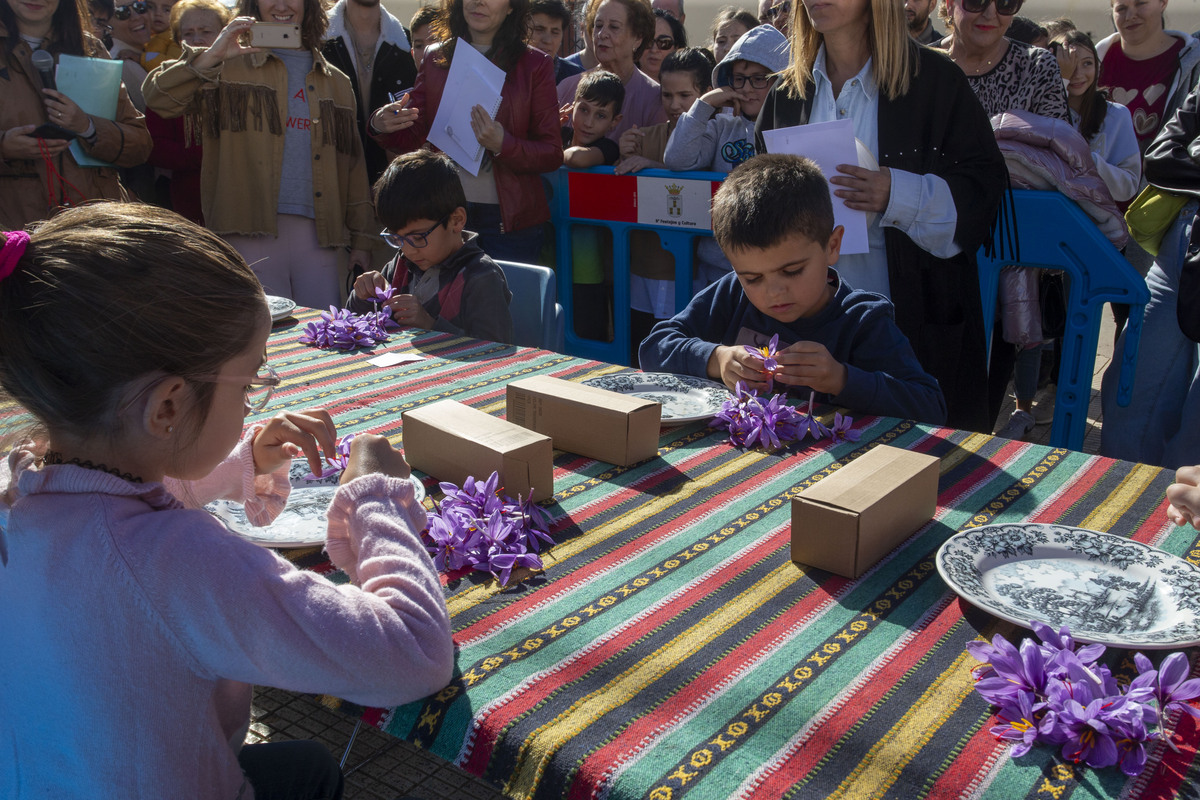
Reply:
x=1141, y=86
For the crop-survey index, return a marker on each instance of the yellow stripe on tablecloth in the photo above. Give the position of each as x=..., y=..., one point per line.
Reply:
x=1122, y=498
x=549, y=738
x=963, y=450
x=464, y=600
x=882, y=765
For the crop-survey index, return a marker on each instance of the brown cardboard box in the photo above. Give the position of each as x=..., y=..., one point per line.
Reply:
x=451, y=441
x=851, y=519
x=592, y=422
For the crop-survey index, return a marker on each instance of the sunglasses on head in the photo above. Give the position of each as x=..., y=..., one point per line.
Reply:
x=1005, y=8
x=663, y=43
x=122, y=12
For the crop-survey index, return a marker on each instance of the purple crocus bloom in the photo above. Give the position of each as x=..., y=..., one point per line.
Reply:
x=1021, y=723
x=1087, y=737
x=446, y=545
x=1011, y=670
x=767, y=355
x=1168, y=684
x=842, y=430
x=1130, y=735
x=506, y=561
x=385, y=293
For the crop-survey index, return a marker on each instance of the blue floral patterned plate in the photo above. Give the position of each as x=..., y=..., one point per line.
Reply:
x=1107, y=589
x=683, y=397
x=302, y=522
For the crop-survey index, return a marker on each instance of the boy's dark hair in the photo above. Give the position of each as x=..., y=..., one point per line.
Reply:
x=552, y=8
x=768, y=198
x=1025, y=30
x=601, y=87
x=425, y=16
x=418, y=185
x=696, y=60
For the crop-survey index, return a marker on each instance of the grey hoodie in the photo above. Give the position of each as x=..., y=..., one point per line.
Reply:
x=706, y=140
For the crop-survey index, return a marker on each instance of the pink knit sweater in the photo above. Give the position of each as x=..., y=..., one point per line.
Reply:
x=133, y=626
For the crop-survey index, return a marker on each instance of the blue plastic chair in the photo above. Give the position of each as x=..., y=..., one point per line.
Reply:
x=538, y=319
x=1054, y=233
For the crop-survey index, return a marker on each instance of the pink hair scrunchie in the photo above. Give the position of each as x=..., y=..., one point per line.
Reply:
x=14, y=247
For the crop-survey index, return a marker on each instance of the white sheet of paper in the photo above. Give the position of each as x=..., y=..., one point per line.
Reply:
x=391, y=359
x=827, y=144
x=476, y=82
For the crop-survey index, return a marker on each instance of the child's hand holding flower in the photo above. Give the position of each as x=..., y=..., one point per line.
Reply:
x=371, y=454
x=407, y=311
x=733, y=364
x=369, y=284
x=285, y=436
x=810, y=364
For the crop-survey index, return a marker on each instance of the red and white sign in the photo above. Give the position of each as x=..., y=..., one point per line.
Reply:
x=669, y=201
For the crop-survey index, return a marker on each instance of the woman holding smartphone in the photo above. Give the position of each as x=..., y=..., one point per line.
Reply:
x=283, y=177
x=38, y=173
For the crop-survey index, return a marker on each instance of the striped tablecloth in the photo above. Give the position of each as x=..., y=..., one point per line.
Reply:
x=672, y=649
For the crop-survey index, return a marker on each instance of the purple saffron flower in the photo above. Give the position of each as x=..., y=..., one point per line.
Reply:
x=1168, y=684
x=337, y=462
x=446, y=545
x=1087, y=736
x=842, y=430
x=767, y=355
x=1009, y=670
x=1021, y=723
x=339, y=329
x=383, y=294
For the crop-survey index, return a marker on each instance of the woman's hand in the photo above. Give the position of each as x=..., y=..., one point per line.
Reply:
x=285, y=436
x=20, y=143
x=1184, y=497
x=394, y=116
x=371, y=454
x=228, y=44
x=730, y=364
x=407, y=311
x=63, y=111
x=863, y=189
x=488, y=132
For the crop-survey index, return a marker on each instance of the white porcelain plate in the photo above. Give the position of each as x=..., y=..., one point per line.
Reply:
x=683, y=398
x=302, y=522
x=1105, y=588
x=280, y=307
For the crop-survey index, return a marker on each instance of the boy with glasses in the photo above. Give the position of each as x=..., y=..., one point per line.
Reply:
x=443, y=281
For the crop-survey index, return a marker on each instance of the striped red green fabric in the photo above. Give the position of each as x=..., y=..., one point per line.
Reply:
x=672, y=649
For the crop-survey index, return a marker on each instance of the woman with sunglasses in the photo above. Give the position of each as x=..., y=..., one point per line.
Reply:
x=1004, y=74
x=669, y=36
x=130, y=25
x=933, y=200
x=38, y=173
x=283, y=178
x=622, y=30
x=506, y=203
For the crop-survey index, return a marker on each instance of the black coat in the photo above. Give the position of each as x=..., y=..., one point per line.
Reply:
x=940, y=128
x=394, y=71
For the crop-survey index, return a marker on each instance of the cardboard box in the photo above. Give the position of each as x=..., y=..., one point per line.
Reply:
x=607, y=426
x=851, y=519
x=452, y=441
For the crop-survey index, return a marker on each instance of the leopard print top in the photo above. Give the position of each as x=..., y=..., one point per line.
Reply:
x=1026, y=79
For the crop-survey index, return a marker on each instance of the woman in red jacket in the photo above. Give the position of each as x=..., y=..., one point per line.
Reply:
x=506, y=204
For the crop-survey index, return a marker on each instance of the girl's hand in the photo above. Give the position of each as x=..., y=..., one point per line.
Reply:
x=63, y=111
x=631, y=141
x=488, y=132
x=19, y=143
x=810, y=364
x=285, y=436
x=394, y=116
x=635, y=163
x=730, y=364
x=865, y=189
x=228, y=44
x=564, y=114
x=1184, y=497
x=371, y=454
x=407, y=311
x=366, y=284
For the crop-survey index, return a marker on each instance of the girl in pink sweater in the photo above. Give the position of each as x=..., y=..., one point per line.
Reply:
x=134, y=624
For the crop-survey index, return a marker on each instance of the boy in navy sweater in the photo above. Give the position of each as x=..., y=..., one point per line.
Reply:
x=773, y=218
x=443, y=280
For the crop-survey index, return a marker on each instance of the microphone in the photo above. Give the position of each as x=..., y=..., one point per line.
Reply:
x=43, y=62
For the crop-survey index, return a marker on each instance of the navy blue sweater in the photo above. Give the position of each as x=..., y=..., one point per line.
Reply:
x=858, y=329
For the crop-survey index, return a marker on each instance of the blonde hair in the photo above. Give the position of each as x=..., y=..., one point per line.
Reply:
x=184, y=6
x=894, y=59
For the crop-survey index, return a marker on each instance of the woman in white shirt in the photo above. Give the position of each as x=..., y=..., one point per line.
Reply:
x=1107, y=126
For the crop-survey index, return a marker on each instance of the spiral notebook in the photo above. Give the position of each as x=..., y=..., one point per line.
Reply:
x=473, y=81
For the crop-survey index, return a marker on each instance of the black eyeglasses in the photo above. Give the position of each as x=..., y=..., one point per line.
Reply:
x=417, y=240
x=1005, y=8
x=122, y=12
x=780, y=10
x=663, y=43
x=757, y=81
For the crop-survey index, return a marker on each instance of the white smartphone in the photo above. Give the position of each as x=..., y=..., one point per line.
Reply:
x=275, y=34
